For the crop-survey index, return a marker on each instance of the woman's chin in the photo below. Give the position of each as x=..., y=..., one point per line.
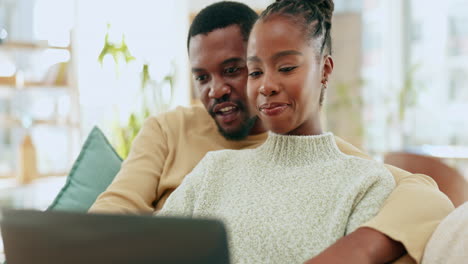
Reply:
x=282, y=130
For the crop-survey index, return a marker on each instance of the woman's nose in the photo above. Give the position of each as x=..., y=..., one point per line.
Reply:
x=269, y=86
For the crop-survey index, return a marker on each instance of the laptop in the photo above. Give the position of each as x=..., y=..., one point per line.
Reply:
x=35, y=237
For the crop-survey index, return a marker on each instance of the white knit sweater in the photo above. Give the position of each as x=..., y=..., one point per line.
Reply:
x=285, y=201
x=449, y=242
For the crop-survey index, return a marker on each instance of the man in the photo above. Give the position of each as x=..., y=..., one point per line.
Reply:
x=170, y=145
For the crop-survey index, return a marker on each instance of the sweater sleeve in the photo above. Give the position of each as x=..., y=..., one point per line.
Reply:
x=368, y=203
x=134, y=188
x=183, y=200
x=412, y=211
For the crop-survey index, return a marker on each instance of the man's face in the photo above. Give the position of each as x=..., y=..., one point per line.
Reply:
x=219, y=70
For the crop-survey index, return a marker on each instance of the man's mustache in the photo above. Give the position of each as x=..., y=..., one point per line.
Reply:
x=217, y=101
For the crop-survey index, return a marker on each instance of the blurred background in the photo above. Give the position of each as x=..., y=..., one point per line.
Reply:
x=400, y=81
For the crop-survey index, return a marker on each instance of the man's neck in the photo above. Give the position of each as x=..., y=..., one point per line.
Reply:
x=257, y=128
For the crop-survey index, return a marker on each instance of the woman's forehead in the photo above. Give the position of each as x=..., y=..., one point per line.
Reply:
x=274, y=35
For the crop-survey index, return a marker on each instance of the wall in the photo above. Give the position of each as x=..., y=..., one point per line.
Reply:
x=197, y=5
x=155, y=33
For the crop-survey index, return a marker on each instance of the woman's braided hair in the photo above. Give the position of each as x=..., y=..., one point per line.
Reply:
x=314, y=15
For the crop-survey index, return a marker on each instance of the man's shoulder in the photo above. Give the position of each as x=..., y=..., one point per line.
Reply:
x=182, y=117
x=185, y=112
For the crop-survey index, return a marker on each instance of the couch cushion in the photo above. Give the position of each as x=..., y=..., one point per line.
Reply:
x=92, y=172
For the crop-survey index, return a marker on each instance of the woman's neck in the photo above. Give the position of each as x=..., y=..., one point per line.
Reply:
x=310, y=127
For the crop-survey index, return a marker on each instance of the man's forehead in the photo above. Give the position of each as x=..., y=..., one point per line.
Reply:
x=224, y=42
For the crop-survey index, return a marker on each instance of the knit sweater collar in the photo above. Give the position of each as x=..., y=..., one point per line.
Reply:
x=286, y=150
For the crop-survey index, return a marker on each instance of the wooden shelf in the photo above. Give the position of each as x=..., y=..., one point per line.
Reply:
x=8, y=80
x=41, y=175
x=12, y=82
x=30, y=45
x=58, y=79
x=32, y=85
x=13, y=122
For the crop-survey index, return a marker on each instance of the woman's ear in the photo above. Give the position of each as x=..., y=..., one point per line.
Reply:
x=327, y=67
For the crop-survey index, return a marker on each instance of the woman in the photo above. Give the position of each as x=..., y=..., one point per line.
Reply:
x=296, y=194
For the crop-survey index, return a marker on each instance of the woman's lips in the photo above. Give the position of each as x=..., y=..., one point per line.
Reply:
x=273, y=109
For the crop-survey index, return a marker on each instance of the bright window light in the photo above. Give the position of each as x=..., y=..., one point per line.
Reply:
x=46, y=25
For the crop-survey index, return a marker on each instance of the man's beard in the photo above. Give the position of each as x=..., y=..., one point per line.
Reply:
x=243, y=131
x=246, y=125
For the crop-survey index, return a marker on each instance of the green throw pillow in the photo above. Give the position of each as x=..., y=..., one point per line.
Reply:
x=93, y=171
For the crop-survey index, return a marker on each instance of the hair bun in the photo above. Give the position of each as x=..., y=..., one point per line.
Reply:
x=326, y=7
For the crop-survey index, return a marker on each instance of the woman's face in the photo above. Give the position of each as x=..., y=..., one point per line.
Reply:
x=285, y=77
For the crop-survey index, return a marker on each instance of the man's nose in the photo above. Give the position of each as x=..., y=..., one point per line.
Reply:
x=219, y=88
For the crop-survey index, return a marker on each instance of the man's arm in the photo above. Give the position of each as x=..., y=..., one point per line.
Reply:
x=135, y=186
x=411, y=212
x=363, y=246
x=182, y=201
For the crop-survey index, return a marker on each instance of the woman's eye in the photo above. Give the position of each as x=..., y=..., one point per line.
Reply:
x=287, y=69
x=255, y=74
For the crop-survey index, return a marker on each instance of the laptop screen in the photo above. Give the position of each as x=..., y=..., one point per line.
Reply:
x=64, y=237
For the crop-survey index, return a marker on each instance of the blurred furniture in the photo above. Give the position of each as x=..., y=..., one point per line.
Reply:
x=30, y=106
x=449, y=180
x=442, y=151
x=38, y=195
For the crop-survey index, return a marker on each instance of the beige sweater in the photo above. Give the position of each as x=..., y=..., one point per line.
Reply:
x=170, y=145
x=285, y=201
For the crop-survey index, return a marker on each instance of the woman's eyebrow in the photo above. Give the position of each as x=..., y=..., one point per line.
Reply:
x=253, y=59
x=285, y=53
x=276, y=56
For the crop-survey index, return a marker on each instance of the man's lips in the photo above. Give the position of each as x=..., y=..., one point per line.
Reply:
x=225, y=108
x=226, y=112
x=272, y=109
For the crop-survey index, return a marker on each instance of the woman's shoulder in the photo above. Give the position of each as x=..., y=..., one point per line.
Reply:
x=367, y=168
x=228, y=155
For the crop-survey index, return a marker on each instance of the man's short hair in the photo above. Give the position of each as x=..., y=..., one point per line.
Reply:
x=221, y=15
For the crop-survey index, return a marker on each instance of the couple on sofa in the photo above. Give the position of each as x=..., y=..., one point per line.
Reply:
x=293, y=194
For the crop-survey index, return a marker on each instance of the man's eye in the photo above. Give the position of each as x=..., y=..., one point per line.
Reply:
x=201, y=78
x=231, y=70
x=255, y=74
x=287, y=69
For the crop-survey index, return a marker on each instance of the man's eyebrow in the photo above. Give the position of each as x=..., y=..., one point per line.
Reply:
x=195, y=70
x=232, y=60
